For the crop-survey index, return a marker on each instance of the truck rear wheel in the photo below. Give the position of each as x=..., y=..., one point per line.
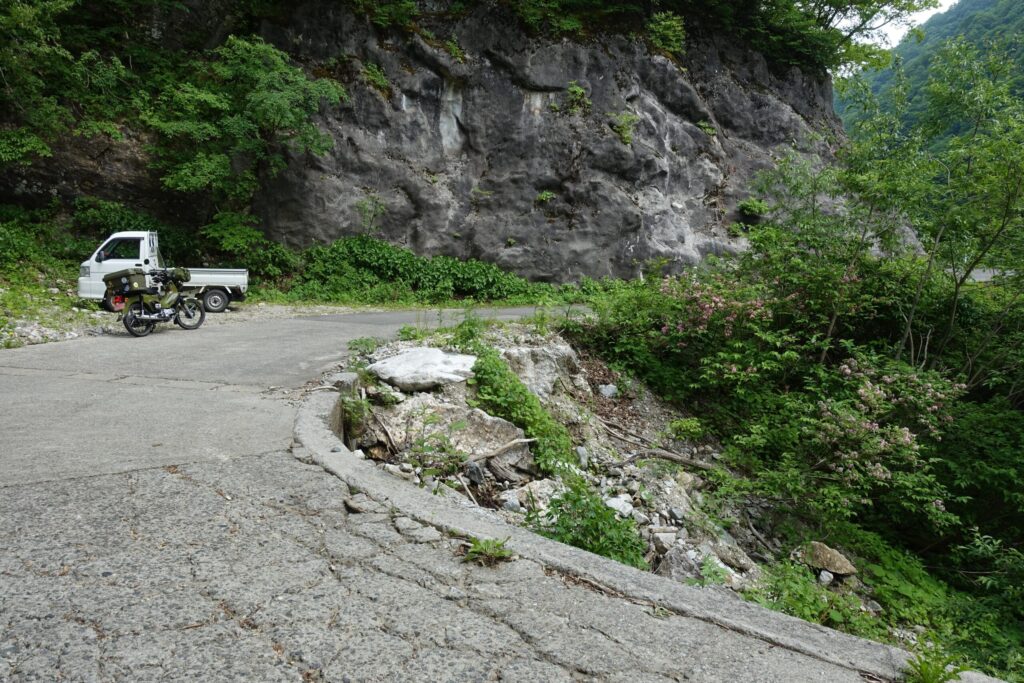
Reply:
x=215, y=300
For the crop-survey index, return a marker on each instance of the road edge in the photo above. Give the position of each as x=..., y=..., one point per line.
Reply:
x=316, y=442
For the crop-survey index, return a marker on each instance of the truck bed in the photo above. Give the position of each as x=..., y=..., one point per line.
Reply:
x=220, y=277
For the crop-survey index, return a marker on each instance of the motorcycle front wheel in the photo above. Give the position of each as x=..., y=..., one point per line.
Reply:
x=136, y=327
x=190, y=314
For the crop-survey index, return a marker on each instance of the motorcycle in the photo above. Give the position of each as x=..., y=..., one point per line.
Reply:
x=146, y=306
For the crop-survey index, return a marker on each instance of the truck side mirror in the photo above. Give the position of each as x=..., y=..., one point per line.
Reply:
x=100, y=256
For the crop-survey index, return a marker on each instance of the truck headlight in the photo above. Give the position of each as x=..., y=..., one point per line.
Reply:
x=83, y=271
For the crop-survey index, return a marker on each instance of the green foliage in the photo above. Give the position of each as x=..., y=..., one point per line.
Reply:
x=220, y=124
x=434, y=454
x=375, y=77
x=686, y=429
x=397, y=13
x=576, y=100
x=364, y=345
x=707, y=128
x=753, y=209
x=667, y=32
x=370, y=208
x=931, y=665
x=502, y=394
x=580, y=518
x=365, y=270
x=792, y=588
x=411, y=333
x=487, y=552
x=624, y=123
x=453, y=48
x=544, y=196
x=236, y=242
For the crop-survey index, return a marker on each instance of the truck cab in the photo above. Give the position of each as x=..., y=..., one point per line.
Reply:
x=120, y=251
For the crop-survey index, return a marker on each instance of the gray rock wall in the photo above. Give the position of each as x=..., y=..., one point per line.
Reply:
x=459, y=152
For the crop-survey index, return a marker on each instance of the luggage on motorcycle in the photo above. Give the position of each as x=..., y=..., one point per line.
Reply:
x=180, y=274
x=124, y=282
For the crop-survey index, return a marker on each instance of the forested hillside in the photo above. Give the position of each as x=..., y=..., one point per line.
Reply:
x=979, y=22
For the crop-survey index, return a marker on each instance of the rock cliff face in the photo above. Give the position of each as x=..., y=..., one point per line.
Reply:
x=488, y=157
x=463, y=155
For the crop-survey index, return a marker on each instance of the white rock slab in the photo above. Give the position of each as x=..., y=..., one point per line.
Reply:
x=424, y=368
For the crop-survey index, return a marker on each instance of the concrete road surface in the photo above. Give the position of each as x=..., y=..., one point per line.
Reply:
x=153, y=526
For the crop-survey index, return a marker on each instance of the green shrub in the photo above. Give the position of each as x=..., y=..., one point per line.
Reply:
x=686, y=429
x=375, y=77
x=453, y=48
x=502, y=394
x=753, y=209
x=576, y=101
x=707, y=128
x=792, y=588
x=624, y=124
x=236, y=242
x=667, y=32
x=366, y=270
x=364, y=345
x=544, y=196
x=580, y=518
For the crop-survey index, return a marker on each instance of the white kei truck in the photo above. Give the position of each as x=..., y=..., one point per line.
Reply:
x=215, y=287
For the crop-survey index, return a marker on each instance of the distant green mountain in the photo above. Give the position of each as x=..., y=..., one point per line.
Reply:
x=978, y=21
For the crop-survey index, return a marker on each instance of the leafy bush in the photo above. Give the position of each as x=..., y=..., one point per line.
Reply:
x=576, y=101
x=753, y=209
x=667, y=32
x=580, y=518
x=686, y=429
x=544, y=196
x=367, y=270
x=624, y=124
x=502, y=394
x=375, y=77
x=235, y=241
x=455, y=50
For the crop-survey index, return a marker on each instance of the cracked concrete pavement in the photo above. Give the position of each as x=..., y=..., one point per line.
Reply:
x=154, y=527
x=265, y=569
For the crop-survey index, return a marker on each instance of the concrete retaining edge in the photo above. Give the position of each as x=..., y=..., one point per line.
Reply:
x=318, y=415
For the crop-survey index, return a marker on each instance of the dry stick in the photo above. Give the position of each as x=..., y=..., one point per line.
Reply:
x=758, y=536
x=650, y=452
x=669, y=455
x=510, y=445
x=387, y=435
x=465, y=487
x=616, y=425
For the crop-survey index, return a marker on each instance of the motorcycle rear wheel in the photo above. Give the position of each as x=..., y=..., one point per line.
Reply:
x=136, y=327
x=190, y=314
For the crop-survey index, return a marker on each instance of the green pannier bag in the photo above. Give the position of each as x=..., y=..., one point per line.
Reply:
x=124, y=282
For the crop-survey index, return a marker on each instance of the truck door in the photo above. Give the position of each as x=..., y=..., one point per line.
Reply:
x=118, y=253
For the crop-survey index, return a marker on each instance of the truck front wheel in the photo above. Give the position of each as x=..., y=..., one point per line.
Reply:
x=215, y=300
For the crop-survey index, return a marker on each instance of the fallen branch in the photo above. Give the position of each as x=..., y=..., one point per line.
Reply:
x=669, y=455
x=503, y=449
x=465, y=487
x=392, y=446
